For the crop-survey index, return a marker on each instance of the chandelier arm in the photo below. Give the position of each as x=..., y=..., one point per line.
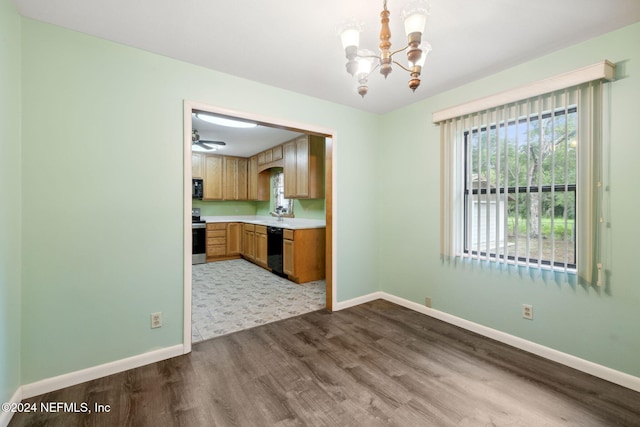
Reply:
x=402, y=66
x=368, y=56
x=399, y=50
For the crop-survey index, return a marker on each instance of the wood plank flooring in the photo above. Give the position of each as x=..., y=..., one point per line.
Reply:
x=371, y=365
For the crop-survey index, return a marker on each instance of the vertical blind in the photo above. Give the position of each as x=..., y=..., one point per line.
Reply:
x=521, y=183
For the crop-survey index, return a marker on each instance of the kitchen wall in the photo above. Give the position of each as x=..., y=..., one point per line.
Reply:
x=596, y=324
x=309, y=209
x=225, y=208
x=302, y=208
x=108, y=250
x=10, y=203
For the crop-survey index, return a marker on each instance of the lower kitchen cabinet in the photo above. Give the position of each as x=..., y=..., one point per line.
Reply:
x=303, y=254
x=249, y=242
x=216, y=240
x=254, y=244
x=261, y=245
x=303, y=249
x=223, y=240
x=234, y=238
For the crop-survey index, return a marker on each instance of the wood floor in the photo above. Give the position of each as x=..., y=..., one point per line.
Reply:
x=374, y=364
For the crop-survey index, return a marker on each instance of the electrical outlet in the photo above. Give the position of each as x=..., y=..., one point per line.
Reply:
x=527, y=311
x=156, y=320
x=427, y=302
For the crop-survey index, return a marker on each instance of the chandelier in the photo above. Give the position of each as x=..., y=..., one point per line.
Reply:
x=361, y=63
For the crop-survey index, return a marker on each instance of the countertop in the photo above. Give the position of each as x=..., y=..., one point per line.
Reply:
x=290, y=223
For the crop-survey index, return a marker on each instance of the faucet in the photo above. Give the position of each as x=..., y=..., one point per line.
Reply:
x=278, y=213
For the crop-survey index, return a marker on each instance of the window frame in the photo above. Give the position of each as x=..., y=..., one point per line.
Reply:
x=518, y=190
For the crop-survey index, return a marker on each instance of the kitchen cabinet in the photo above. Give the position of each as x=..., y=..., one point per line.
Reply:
x=276, y=153
x=235, y=178
x=234, y=238
x=271, y=158
x=224, y=177
x=223, y=240
x=197, y=165
x=261, y=245
x=287, y=253
x=212, y=177
x=254, y=244
x=303, y=252
x=249, y=242
x=257, y=182
x=271, y=155
x=216, y=240
x=304, y=168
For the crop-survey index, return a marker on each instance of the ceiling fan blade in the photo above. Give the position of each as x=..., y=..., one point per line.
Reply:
x=200, y=144
x=221, y=143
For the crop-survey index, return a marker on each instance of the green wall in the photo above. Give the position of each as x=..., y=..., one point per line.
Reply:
x=107, y=249
x=9, y=201
x=308, y=209
x=225, y=208
x=600, y=325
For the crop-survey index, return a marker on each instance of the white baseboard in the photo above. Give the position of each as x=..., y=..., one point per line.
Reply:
x=600, y=371
x=360, y=300
x=5, y=417
x=77, y=377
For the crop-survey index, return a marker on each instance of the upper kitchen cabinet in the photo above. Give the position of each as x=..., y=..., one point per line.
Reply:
x=235, y=178
x=304, y=168
x=270, y=156
x=212, y=177
x=197, y=166
x=257, y=182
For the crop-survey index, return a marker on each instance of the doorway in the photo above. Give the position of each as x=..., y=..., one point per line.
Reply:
x=329, y=179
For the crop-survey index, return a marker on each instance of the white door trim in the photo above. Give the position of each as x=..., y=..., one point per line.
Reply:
x=190, y=105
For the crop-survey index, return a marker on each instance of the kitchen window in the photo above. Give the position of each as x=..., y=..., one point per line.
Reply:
x=281, y=204
x=522, y=178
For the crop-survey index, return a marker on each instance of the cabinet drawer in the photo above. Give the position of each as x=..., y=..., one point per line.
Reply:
x=287, y=234
x=216, y=250
x=216, y=241
x=216, y=233
x=249, y=227
x=261, y=229
x=217, y=226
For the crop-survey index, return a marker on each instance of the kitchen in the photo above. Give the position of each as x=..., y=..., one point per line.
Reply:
x=258, y=223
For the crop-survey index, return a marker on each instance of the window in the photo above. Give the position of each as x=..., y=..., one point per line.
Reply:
x=280, y=204
x=522, y=176
x=520, y=189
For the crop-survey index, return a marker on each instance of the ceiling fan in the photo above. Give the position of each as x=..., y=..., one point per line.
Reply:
x=195, y=140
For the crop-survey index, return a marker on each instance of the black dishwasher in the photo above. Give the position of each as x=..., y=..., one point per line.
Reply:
x=274, y=250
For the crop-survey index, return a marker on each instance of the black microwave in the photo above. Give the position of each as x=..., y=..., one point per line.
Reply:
x=196, y=189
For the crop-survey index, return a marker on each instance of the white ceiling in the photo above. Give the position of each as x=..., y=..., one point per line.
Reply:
x=293, y=44
x=240, y=142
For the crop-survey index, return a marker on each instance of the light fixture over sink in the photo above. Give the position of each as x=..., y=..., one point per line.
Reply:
x=361, y=63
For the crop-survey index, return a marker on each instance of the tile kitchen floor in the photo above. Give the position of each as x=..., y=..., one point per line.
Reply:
x=229, y=296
